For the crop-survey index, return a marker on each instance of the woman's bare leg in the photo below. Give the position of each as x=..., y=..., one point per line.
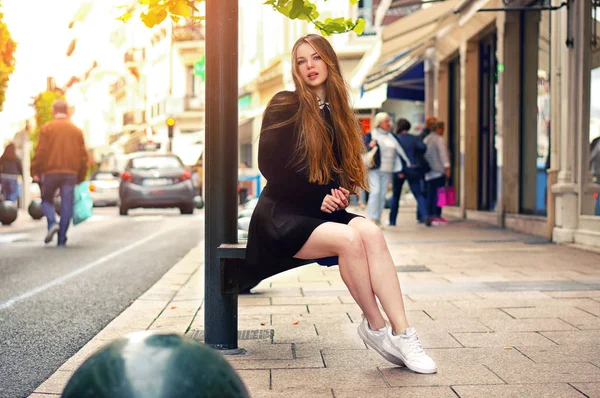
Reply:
x=384, y=279
x=333, y=239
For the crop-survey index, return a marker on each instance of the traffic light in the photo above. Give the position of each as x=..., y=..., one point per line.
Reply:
x=170, y=124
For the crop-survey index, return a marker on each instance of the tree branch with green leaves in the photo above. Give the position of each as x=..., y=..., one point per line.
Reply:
x=153, y=12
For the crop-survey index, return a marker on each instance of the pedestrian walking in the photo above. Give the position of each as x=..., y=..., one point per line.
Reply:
x=60, y=163
x=415, y=150
x=310, y=153
x=439, y=163
x=390, y=159
x=10, y=170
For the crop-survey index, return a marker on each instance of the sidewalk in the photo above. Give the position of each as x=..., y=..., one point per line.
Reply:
x=503, y=314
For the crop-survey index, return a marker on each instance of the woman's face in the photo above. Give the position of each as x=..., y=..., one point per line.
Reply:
x=311, y=67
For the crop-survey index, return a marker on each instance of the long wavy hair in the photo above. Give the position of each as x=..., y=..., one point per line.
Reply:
x=315, y=152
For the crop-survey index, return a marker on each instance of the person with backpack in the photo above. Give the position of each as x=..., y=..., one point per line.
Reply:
x=415, y=150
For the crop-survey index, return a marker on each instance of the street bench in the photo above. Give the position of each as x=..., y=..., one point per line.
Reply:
x=237, y=277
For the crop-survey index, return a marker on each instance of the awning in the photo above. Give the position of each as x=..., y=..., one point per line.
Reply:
x=404, y=42
x=370, y=99
x=409, y=85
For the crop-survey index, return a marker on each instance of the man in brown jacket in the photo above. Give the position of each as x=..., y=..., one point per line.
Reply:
x=60, y=162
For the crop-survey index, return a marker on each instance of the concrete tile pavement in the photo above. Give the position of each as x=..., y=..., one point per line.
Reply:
x=504, y=315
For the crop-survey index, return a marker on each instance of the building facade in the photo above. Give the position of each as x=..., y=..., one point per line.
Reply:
x=513, y=83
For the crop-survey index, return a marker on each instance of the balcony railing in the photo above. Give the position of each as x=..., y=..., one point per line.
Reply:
x=193, y=103
x=188, y=32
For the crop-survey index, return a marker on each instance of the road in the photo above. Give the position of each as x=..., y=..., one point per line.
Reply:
x=54, y=300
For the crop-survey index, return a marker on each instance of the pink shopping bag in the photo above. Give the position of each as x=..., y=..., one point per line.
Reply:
x=446, y=196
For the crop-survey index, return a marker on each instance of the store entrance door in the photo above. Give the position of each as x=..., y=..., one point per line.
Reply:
x=488, y=170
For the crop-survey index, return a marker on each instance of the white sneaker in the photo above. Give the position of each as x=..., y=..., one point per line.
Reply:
x=408, y=348
x=374, y=339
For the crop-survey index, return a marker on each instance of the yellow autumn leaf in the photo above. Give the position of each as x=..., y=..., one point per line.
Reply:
x=181, y=8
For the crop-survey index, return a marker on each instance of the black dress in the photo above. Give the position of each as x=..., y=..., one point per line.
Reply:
x=289, y=207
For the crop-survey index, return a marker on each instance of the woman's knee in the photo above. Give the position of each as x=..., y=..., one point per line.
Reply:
x=350, y=242
x=369, y=232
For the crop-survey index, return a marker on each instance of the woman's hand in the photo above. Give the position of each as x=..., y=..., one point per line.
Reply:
x=343, y=195
x=331, y=203
x=372, y=143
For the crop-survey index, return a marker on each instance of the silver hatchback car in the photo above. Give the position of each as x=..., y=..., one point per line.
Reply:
x=155, y=180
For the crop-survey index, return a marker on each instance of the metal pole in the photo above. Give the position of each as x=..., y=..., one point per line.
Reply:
x=220, y=311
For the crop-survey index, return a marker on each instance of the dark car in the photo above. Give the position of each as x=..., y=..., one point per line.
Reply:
x=155, y=180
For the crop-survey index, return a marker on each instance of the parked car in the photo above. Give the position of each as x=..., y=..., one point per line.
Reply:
x=155, y=180
x=104, y=187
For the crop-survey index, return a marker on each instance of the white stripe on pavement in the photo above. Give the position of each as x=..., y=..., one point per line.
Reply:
x=9, y=303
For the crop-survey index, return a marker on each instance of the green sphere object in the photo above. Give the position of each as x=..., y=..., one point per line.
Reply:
x=155, y=365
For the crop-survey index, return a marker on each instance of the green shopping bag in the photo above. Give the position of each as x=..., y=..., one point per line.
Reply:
x=83, y=204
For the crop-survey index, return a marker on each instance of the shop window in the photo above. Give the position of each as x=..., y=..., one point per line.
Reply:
x=591, y=198
x=488, y=168
x=535, y=111
x=454, y=122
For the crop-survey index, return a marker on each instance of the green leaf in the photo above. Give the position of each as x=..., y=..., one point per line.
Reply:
x=359, y=28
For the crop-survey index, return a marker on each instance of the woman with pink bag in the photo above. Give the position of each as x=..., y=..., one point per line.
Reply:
x=439, y=162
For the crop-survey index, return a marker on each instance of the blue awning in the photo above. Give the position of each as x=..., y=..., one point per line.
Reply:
x=409, y=85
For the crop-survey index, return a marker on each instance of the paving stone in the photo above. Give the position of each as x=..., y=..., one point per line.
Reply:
x=538, y=373
x=563, y=353
x=315, y=362
x=321, y=300
x=299, y=379
x=562, y=390
x=515, y=295
x=289, y=319
x=274, y=309
x=583, y=337
x=547, y=312
x=262, y=291
x=586, y=323
x=527, y=325
x=447, y=375
x=247, y=300
x=592, y=308
x=321, y=293
x=172, y=324
x=55, y=384
x=444, y=297
x=303, y=285
x=263, y=350
x=301, y=333
x=522, y=303
x=502, y=339
x=429, y=305
x=44, y=395
x=448, y=357
x=591, y=390
x=308, y=392
x=468, y=313
x=366, y=358
x=450, y=325
x=538, y=285
x=332, y=308
x=393, y=392
x=447, y=288
x=255, y=380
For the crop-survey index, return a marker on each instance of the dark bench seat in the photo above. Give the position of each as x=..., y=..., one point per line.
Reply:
x=239, y=278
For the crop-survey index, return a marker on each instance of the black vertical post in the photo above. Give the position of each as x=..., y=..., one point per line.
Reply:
x=220, y=311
